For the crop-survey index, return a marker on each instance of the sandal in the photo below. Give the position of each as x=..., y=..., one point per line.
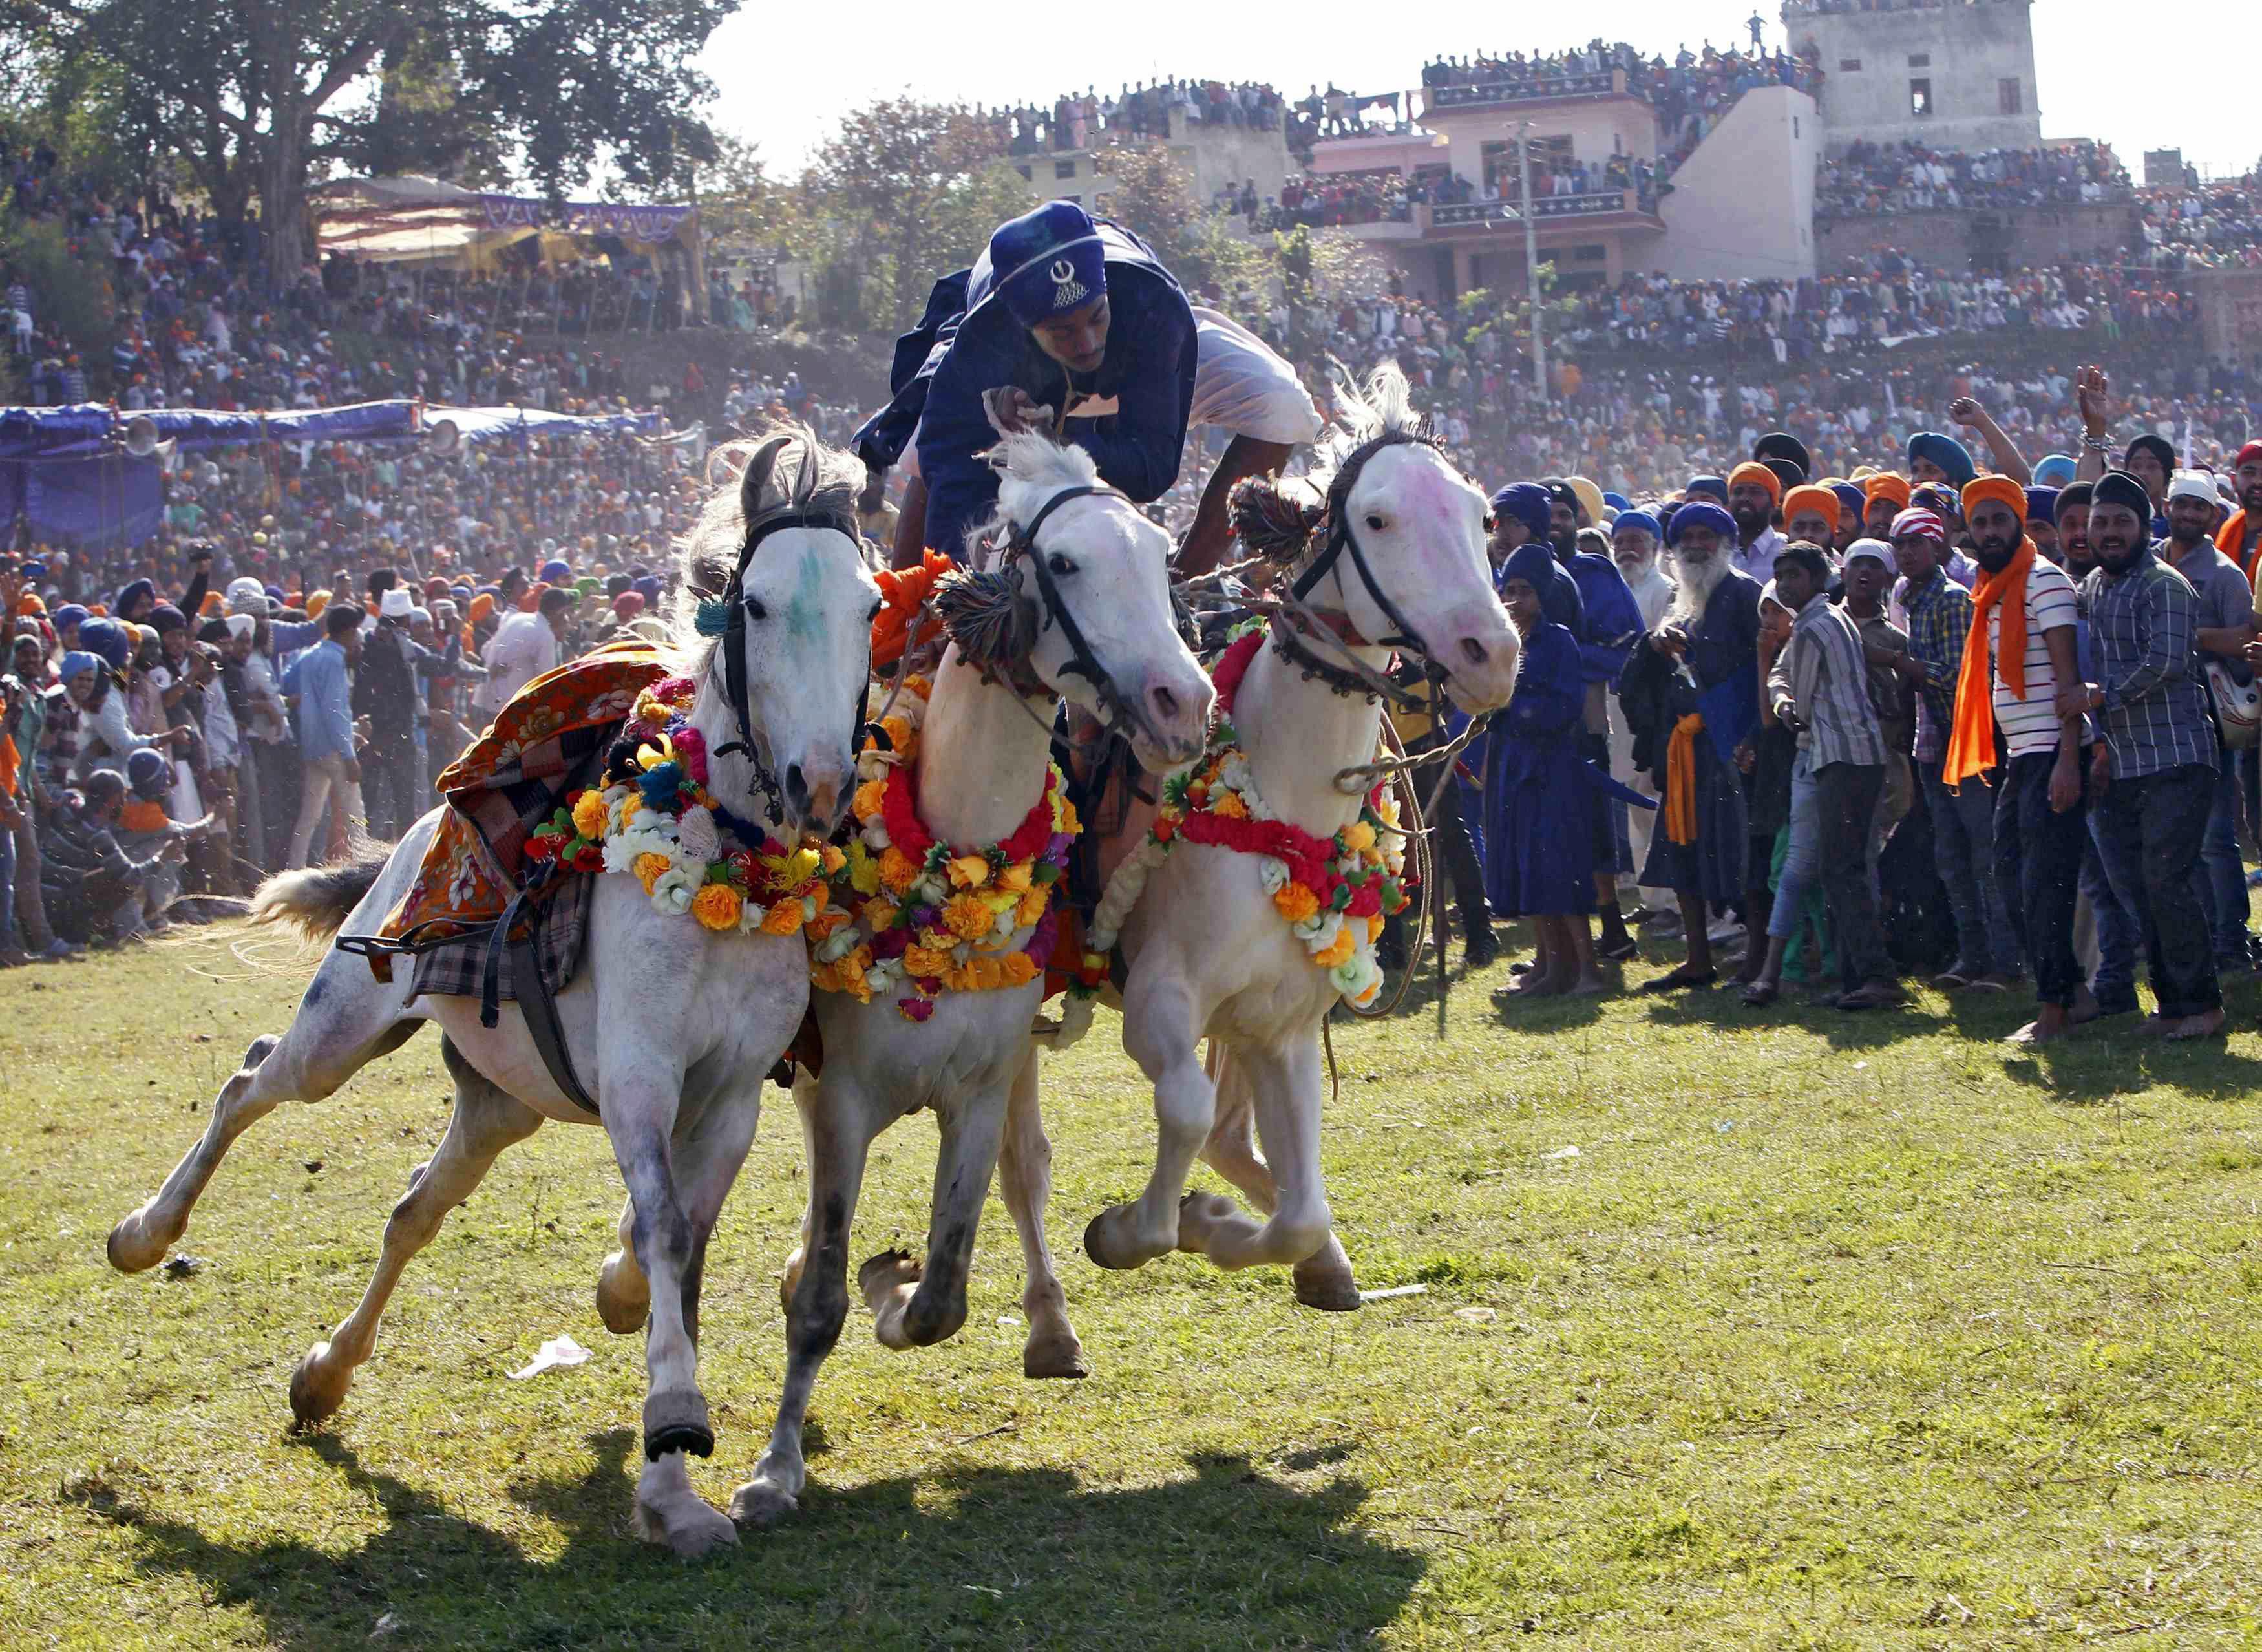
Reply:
x=1759, y=994
x=1680, y=979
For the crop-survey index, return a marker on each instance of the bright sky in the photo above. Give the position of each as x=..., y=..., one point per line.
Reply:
x=2100, y=78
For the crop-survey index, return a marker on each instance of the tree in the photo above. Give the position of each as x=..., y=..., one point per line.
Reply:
x=258, y=95
x=903, y=192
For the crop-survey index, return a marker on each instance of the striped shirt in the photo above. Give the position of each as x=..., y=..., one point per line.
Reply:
x=1823, y=674
x=2031, y=725
x=2155, y=715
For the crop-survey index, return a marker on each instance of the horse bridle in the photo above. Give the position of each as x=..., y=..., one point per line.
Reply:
x=733, y=649
x=1116, y=709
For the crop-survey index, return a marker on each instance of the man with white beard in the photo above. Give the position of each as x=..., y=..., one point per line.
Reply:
x=1691, y=697
x=1633, y=547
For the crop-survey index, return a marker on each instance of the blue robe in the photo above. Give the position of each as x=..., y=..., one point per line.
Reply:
x=968, y=342
x=1541, y=799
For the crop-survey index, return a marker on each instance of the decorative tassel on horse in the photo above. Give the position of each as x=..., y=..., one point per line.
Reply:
x=1271, y=520
x=986, y=616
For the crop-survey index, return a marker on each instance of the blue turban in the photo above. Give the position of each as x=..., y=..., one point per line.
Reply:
x=1712, y=486
x=147, y=772
x=2042, y=505
x=1530, y=504
x=34, y=569
x=1952, y=457
x=556, y=571
x=1616, y=501
x=1534, y=563
x=1047, y=262
x=1852, y=502
x=2057, y=470
x=1700, y=513
x=647, y=587
x=69, y=614
x=77, y=663
x=106, y=639
x=131, y=594
x=275, y=595
x=1641, y=519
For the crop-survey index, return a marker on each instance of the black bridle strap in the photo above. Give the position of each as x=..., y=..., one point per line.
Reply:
x=1082, y=661
x=734, y=646
x=1341, y=538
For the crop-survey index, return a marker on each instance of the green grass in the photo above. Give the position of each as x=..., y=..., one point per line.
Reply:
x=1836, y=1331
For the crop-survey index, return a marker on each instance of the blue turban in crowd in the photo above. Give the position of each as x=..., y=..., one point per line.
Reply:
x=275, y=595
x=131, y=594
x=1952, y=457
x=1616, y=501
x=2042, y=505
x=1700, y=513
x=165, y=617
x=1641, y=519
x=106, y=640
x=34, y=569
x=1534, y=563
x=77, y=663
x=1852, y=502
x=1048, y=262
x=1530, y=504
x=647, y=587
x=147, y=772
x=69, y=615
x=556, y=570
x=2054, y=470
x=1709, y=486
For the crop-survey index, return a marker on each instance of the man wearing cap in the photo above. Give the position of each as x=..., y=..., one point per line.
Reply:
x=1070, y=324
x=2019, y=652
x=1753, y=493
x=1962, y=817
x=2223, y=624
x=2161, y=746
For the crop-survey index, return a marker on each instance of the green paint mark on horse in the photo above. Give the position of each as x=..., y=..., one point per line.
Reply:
x=803, y=614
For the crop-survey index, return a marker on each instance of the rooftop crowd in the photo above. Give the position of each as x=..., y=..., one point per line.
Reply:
x=1909, y=176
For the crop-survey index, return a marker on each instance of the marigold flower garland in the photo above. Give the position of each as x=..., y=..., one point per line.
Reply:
x=1333, y=892
x=923, y=917
x=655, y=820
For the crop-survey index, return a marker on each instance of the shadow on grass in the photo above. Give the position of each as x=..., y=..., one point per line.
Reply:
x=2095, y=1065
x=964, y=1555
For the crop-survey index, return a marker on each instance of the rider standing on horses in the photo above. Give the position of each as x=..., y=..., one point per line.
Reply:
x=1071, y=323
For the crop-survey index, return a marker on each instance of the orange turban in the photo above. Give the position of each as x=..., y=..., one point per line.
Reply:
x=532, y=599
x=482, y=605
x=1820, y=500
x=1998, y=487
x=316, y=603
x=1752, y=471
x=213, y=604
x=1885, y=485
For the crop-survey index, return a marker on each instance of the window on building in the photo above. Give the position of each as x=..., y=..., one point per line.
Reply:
x=2009, y=96
x=1593, y=252
x=1919, y=60
x=1919, y=97
x=1064, y=168
x=1850, y=65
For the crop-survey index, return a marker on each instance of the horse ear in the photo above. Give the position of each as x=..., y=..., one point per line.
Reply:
x=1273, y=519
x=754, y=480
x=986, y=616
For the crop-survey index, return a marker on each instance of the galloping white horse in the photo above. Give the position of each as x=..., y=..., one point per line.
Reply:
x=670, y=1025
x=1394, y=550
x=1092, y=579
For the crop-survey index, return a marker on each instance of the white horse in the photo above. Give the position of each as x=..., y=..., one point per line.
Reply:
x=1091, y=585
x=1393, y=548
x=669, y=1025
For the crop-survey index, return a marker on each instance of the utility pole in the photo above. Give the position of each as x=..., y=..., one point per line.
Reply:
x=1531, y=260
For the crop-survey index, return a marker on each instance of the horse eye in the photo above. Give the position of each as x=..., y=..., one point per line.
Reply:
x=1060, y=564
x=1374, y=521
x=755, y=610
x=873, y=614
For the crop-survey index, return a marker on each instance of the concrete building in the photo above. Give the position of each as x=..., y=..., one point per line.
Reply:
x=1213, y=156
x=1953, y=75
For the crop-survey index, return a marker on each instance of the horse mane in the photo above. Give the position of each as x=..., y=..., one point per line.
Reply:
x=784, y=470
x=1031, y=468
x=1382, y=405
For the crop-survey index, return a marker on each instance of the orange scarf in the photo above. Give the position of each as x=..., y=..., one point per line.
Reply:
x=1680, y=780
x=140, y=816
x=1972, y=740
x=2232, y=543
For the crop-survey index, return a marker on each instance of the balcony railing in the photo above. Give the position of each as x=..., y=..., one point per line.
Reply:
x=1473, y=212
x=1491, y=94
x=1594, y=204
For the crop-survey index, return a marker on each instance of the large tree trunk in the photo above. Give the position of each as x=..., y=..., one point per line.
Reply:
x=283, y=200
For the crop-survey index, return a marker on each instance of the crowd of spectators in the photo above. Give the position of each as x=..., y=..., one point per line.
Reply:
x=1086, y=119
x=2204, y=225
x=1909, y=176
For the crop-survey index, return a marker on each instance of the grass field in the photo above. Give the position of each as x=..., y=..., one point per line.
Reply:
x=1833, y=1332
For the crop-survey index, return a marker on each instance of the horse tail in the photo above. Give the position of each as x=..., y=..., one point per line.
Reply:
x=318, y=899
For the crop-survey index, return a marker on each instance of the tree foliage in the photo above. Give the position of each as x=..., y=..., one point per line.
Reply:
x=258, y=96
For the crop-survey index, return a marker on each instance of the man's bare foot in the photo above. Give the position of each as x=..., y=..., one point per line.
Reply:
x=2203, y=1026
x=2086, y=1008
x=2054, y=1022
x=1588, y=985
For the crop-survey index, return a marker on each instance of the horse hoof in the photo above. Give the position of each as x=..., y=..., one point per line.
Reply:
x=1330, y=1294
x=886, y=1271
x=1100, y=1244
x=676, y=1420
x=131, y=1249
x=761, y=1502
x=313, y=1398
x=623, y=1295
x=686, y=1525
x=1061, y=1357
